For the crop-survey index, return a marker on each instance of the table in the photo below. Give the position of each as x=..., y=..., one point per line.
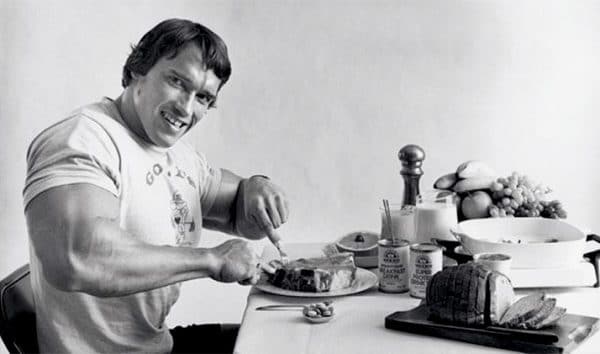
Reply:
x=358, y=325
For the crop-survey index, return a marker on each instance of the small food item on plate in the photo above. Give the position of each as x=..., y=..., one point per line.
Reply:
x=320, y=309
x=315, y=275
x=471, y=295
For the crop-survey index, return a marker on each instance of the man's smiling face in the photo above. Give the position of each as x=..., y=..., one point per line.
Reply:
x=173, y=96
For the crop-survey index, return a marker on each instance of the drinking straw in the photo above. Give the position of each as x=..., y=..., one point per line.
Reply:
x=386, y=207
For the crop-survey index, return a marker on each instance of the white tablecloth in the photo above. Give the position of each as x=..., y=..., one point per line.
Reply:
x=358, y=325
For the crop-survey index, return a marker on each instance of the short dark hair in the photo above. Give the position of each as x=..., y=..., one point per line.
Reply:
x=166, y=38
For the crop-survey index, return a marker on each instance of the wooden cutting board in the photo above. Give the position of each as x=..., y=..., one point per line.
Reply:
x=571, y=331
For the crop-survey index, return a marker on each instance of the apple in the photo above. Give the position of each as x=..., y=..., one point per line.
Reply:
x=476, y=204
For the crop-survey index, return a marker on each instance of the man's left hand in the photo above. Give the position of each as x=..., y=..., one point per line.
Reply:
x=262, y=207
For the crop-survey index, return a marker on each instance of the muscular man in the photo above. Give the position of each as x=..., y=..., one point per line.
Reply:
x=115, y=204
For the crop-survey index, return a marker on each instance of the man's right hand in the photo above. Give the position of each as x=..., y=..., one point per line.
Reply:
x=235, y=261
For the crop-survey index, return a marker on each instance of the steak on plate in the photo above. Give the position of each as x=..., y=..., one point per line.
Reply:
x=315, y=275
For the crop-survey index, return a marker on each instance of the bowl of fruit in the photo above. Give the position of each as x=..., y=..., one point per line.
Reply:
x=511, y=215
x=483, y=193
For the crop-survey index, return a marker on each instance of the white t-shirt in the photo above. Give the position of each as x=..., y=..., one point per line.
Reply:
x=163, y=194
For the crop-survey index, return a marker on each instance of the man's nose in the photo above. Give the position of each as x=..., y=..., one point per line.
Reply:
x=184, y=105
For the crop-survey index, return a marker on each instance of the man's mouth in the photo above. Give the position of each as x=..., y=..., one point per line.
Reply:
x=171, y=119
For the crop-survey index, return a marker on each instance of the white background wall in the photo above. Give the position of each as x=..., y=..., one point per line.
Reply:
x=323, y=94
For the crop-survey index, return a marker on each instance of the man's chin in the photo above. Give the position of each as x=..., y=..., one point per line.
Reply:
x=165, y=141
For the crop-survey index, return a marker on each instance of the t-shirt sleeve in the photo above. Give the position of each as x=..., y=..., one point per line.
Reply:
x=210, y=180
x=76, y=150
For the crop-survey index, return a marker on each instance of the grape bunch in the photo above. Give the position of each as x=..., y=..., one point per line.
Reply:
x=518, y=196
x=553, y=209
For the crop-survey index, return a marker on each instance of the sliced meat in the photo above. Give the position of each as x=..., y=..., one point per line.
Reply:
x=523, y=309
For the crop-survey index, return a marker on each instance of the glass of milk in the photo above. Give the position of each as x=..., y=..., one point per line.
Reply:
x=435, y=214
x=403, y=222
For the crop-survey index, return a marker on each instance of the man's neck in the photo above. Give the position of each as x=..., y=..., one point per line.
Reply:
x=126, y=108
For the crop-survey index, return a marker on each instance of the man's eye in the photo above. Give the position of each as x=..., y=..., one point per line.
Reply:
x=204, y=100
x=176, y=81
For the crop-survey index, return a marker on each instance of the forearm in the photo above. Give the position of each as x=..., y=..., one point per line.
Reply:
x=96, y=256
x=117, y=264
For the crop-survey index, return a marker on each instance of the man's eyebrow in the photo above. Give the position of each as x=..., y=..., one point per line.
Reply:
x=189, y=82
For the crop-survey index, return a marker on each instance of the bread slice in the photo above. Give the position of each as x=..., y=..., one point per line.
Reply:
x=459, y=313
x=501, y=296
x=437, y=294
x=523, y=309
x=555, y=316
x=463, y=295
x=482, y=294
x=545, y=311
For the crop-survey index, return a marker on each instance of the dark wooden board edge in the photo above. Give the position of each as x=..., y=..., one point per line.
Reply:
x=415, y=321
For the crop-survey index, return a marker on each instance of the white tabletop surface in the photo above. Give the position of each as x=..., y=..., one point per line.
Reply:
x=358, y=325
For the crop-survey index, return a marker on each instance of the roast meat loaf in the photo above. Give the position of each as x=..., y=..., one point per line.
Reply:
x=470, y=295
x=316, y=275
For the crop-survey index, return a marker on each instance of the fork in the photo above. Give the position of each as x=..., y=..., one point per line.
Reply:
x=282, y=255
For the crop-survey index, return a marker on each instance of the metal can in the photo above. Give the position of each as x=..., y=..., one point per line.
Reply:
x=393, y=265
x=425, y=261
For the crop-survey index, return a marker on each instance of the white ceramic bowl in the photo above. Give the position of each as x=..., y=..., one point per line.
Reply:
x=531, y=242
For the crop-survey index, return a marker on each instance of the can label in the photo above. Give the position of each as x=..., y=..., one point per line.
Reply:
x=425, y=261
x=393, y=266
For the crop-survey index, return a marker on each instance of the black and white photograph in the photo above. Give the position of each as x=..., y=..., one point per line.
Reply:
x=299, y=176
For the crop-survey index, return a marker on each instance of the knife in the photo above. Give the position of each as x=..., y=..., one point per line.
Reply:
x=280, y=307
x=284, y=307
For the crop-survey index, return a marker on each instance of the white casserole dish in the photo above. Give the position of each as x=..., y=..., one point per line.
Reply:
x=531, y=242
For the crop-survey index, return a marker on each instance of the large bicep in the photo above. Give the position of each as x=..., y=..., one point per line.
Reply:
x=222, y=210
x=60, y=219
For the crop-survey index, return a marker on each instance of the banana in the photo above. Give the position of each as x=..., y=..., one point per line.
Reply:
x=446, y=181
x=474, y=168
x=473, y=184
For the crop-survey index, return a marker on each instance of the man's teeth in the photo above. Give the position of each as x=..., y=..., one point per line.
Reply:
x=172, y=120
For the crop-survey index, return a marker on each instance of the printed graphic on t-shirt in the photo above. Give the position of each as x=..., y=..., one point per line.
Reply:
x=181, y=219
x=157, y=170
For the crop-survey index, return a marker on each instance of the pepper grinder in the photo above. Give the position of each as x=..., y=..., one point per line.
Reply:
x=411, y=156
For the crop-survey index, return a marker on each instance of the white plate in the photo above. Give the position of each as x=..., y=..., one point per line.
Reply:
x=364, y=280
